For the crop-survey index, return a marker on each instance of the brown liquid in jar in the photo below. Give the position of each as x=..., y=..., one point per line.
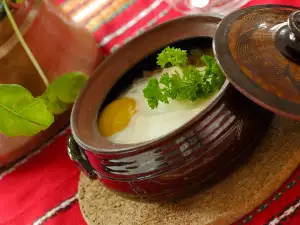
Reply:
x=58, y=44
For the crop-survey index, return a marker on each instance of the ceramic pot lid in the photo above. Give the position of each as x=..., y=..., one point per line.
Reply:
x=258, y=49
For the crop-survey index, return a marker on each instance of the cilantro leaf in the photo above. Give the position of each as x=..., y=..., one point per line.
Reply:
x=172, y=56
x=22, y=114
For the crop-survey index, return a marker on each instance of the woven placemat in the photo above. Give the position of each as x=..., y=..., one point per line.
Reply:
x=272, y=163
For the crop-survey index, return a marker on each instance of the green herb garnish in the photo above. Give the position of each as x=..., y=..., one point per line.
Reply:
x=172, y=56
x=21, y=113
x=191, y=85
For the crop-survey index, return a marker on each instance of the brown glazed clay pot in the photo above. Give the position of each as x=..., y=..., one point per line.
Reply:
x=173, y=166
x=58, y=44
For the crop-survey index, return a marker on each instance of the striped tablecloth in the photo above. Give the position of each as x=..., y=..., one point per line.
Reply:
x=42, y=187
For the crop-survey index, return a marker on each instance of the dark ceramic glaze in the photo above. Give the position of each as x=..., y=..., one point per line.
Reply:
x=175, y=165
x=262, y=49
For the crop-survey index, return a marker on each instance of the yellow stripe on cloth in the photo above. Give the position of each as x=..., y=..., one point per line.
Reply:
x=70, y=5
x=88, y=9
x=117, y=7
x=94, y=13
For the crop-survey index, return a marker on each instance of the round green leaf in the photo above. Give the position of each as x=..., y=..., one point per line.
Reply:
x=55, y=105
x=21, y=114
x=62, y=92
x=67, y=86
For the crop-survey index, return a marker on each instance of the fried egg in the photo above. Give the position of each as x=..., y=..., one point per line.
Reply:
x=129, y=119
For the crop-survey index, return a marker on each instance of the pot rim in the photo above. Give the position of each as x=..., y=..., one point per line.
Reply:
x=142, y=146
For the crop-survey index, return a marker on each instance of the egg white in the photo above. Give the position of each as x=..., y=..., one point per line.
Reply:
x=147, y=123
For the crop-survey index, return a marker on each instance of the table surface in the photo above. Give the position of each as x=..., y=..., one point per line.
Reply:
x=41, y=188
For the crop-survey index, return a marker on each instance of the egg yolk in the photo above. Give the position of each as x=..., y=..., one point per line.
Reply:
x=116, y=116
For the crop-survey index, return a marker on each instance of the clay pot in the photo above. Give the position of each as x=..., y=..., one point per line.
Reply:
x=173, y=166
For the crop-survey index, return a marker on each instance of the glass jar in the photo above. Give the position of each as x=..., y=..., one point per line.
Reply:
x=58, y=44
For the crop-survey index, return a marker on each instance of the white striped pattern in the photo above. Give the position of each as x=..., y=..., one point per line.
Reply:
x=286, y=213
x=130, y=24
x=88, y=9
x=142, y=29
x=54, y=210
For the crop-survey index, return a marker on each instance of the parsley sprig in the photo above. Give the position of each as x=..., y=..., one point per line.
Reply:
x=191, y=85
x=173, y=56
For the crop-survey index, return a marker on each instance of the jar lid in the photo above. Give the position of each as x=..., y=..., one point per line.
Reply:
x=258, y=49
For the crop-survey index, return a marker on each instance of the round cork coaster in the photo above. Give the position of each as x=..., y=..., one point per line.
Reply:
x=271, y=164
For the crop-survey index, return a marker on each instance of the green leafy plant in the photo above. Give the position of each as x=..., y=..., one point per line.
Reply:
x=172, y=56
x=21, y=113
x=192, y=85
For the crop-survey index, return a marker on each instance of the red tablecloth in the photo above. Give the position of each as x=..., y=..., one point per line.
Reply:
x=42, y=187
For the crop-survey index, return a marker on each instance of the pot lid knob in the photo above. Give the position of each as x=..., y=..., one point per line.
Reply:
x=258, y=49
x=288, y=38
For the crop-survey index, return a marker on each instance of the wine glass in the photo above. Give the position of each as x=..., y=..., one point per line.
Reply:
x=223, y=7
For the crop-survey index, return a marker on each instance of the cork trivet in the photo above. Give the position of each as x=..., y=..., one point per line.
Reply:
x=272, y=163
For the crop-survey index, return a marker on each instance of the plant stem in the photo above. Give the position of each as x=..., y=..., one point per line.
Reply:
x=23, y=43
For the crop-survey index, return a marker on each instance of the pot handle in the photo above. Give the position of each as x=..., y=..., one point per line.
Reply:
x=77, y=154
x=287, y=38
